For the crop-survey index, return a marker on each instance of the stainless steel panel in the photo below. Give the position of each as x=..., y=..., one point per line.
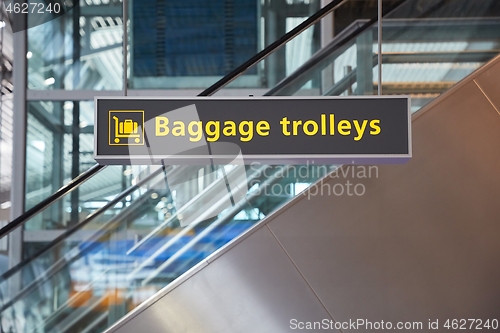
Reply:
x=252, y=288
x=422, y=242
x=489, y=82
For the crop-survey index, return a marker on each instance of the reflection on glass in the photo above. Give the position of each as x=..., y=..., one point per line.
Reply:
x=430, y=46
x=427, y=48
x=50, y=163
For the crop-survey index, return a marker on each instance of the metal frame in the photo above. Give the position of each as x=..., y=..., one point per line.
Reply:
x=89, y=95
x=19, y=125
x=125, y=46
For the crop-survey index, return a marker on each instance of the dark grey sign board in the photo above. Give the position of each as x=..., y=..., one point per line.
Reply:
x=281, y=130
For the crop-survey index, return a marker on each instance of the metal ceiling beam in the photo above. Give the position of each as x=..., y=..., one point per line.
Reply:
x=398, y=88
x=441, y=30
x=439, y=57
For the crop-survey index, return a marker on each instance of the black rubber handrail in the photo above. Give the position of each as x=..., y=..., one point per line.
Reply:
x=54, y=268
x=50, y=200
x=313, y=19
x=70, y=231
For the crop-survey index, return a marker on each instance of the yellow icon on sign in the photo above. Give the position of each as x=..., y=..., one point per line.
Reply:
x=126, y=128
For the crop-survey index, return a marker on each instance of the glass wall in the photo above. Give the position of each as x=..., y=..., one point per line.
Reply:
x=53, y=137
x=172, y=45
x=81, y=50
x=429, y=46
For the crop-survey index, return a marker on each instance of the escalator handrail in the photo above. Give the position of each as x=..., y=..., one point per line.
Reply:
x=313, y=19
x=340, y=42
x=349, y=34
x=249, y=179
x=162, y=226
x=64, y=260
x=70, y=231
x=50, y=200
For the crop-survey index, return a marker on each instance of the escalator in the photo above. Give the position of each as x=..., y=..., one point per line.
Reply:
x=414, y=251
x=88, y=274
x=117, y=256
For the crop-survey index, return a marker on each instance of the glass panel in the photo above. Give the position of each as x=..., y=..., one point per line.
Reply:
x=51, y=140
x=86, y=55
x=173, y=220
x=428, y=46
x=427, y=49
x=343, y=67
x=78, y=204
x=359, y=10
x=43, y=172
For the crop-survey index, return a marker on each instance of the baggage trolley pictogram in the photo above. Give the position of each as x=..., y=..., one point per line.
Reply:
x=126, y=129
